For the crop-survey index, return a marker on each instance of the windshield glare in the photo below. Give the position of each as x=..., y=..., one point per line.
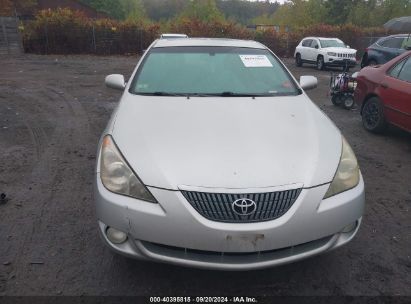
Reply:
x=204, y=71
x=332, y=43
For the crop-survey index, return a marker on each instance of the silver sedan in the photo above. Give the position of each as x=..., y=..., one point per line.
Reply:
x=215, y=157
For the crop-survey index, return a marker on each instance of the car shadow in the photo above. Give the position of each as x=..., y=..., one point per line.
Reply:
x=397, y=133
x=183, y=280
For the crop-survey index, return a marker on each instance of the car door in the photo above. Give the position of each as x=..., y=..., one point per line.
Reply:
x=306, y=49
x=396, y=94
x=315, y=46
x=391, y=48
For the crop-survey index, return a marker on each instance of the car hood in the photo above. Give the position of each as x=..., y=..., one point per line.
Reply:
x=226, y=142
x=341, y=50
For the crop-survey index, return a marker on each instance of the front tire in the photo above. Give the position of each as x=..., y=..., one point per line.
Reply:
x=372, y=114
x=320, y=63
x=348, y=102
x=298, y=61
x=336, y=100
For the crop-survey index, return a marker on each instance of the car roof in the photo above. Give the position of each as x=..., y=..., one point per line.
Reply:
x=397, y=35
x=390, y=36
x=207, y=42
x=386, y=66
x=328, y=38
x=170, y=35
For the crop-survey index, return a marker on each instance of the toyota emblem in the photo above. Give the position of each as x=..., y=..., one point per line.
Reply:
x=244, y=206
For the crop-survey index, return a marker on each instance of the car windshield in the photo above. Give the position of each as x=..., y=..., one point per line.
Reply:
x=331, y=43
x=218, y=71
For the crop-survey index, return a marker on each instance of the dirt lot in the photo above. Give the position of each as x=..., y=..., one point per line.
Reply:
x=52, y=111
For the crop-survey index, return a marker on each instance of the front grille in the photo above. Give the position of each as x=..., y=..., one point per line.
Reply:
x=219, y=206
x=346, y=55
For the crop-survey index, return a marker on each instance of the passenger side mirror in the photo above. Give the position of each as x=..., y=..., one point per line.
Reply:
x=308, y=82
x=316, y=46
x=115, y=81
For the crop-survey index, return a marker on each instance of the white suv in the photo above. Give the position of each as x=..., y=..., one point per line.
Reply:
x=325, y=52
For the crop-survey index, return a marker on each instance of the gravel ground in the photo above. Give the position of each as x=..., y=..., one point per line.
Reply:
x=52, y=112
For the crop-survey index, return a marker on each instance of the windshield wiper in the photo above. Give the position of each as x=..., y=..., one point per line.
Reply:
x=222, y=94
x=161, y=94
x=175, y=94
x=233, y=94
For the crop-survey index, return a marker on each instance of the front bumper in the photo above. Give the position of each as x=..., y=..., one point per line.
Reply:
x=341, y=62
x=173, y=232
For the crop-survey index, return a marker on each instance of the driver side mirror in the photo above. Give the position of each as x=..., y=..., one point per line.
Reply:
x=308, y=82
x=115, y=81
x=316, y=46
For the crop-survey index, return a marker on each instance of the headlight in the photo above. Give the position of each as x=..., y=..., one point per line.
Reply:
x=117, y=176
x=331, y=54
x=348, y=172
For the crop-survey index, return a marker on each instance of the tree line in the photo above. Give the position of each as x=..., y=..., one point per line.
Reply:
x=241, y=11
x=293, y=13
x=362, y=13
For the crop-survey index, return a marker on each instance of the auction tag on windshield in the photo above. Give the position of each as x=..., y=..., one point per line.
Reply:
x=255, y=61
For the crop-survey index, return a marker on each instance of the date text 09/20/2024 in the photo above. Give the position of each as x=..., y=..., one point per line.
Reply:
x=239, y=299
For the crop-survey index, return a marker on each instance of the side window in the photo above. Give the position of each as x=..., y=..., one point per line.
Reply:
x=398, y=42
x=386, y=42
x=314, y=44
x=306, y=43
x=395, y=71
x=394, y=43
x=405, y=73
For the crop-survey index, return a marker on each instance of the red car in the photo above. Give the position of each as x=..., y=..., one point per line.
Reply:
x=384, y=94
